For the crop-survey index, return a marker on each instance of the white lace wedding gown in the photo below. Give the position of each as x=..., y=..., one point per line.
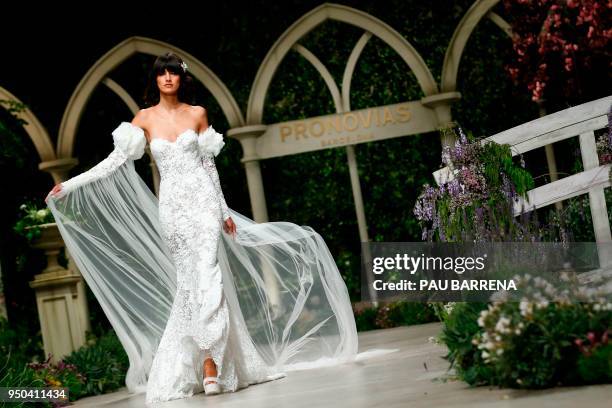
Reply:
x=191, y=210
x=164, y=281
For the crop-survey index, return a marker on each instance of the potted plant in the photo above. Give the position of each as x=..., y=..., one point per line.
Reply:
x=39, y=228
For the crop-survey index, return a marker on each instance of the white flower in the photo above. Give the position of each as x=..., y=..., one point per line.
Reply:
x=41, y=214
x=502, y=324
x=449, y=307
x=184, y=66
x=22, y=207
x=526, y=308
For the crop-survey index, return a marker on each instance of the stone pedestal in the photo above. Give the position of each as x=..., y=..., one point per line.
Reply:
x=60, y=299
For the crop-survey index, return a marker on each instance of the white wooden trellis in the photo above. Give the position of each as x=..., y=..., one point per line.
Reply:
x=579, y=121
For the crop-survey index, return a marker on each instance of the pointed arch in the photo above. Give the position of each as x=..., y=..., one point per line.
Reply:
x=122, y=51
x=461, y=35
x=35, y=130
x=310, y=20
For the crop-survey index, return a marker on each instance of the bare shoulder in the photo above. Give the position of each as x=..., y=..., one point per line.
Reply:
x=198, y=111
x=200, y=115
x=141, y=119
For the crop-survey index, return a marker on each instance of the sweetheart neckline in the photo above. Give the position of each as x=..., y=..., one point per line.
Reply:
x=186, y=131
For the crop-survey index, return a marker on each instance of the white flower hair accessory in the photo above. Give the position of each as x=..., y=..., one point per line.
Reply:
x=184, y=66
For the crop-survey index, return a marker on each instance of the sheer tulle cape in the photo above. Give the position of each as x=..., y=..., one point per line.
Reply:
x=279, y=278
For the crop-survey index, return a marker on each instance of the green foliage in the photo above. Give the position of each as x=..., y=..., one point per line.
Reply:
x=103, y=363
x=12, y=149
x=18, y=375
x=366, y=319
x=394, y=314
x=16, y=342
x=96, y=368
x=596, y=367
x=460, y=328
x=575, y=220
x=477, y=203
x=552, y=337
x=28, y=225
x=60, y=375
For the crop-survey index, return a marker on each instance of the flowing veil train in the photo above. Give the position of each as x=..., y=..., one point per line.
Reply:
x=280, y=280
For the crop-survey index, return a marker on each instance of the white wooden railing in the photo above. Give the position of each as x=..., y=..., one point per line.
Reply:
x=579, y=121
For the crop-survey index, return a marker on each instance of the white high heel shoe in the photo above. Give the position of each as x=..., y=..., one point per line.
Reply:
x=212, y=388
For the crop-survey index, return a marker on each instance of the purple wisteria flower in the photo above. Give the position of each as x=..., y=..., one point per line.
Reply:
x=468, y=207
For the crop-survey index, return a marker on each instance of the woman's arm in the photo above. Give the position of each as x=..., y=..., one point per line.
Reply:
x=210, y=143
x=129, y=141
x=209, y=163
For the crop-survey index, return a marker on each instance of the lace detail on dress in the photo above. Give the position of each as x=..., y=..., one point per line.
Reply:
x=105, y=167
x=210, y=143
x=209, y=163
x=191, y=211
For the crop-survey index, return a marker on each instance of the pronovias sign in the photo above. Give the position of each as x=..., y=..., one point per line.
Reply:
x=359, y=126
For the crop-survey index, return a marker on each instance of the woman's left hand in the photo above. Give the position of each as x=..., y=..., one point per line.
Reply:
x=230, y=227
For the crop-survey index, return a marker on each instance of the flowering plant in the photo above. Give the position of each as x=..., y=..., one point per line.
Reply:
x=541, y=340
x=558, y=44
x=477, y=204
x=28, y=225
x=60, y=375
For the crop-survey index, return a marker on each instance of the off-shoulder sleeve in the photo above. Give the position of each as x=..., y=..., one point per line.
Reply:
x=129, y=141
x=210, y=143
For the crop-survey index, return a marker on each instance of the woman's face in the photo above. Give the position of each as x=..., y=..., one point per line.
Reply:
x=168, y=83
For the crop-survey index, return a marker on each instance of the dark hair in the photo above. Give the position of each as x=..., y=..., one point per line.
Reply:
x=171, y=62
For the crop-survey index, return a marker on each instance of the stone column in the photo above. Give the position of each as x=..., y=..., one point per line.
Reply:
x=247, y=136
x=58, y=168
x=441, y=104
x=59, y=299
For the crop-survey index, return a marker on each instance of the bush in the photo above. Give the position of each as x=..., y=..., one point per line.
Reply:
x=59, y=375
x=17, y=343
x=394, y=314
x=18, y=375
x=103, y=363
x=551, y=337
x=460, y=328
x=597, y=366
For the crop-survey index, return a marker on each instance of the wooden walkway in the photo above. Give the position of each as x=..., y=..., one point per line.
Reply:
x=411, y=377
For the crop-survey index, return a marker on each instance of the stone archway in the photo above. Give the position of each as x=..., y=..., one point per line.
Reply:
x=250, y=135
x=461, y=35
x=312, y=19
x=439, y=99
x=35, y=130
x=117, y=55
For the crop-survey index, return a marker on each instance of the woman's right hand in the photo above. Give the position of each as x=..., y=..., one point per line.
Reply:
x=56, y=189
